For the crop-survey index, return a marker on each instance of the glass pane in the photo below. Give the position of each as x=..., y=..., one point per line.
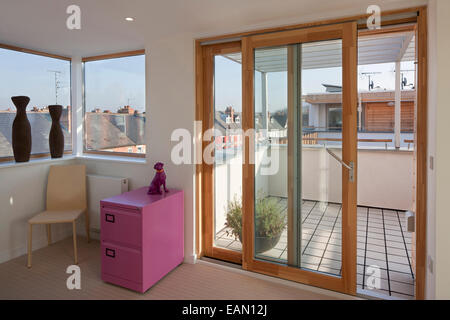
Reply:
x=376, y=99
x=298, y=195
x=271, y=103
x=386, y=163
x=46, y=81
x=321, y=190
x=115, y=105
x=228, y=152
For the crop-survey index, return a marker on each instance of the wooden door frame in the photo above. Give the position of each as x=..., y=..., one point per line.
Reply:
x=207, y=178
x=422, y=152
x=422, y=125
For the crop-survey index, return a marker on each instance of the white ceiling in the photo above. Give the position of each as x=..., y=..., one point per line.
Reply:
x=41, y=24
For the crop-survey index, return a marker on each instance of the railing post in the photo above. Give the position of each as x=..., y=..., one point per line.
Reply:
x=398, y=98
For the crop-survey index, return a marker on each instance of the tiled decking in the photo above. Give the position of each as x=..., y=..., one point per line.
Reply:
x=382, y=241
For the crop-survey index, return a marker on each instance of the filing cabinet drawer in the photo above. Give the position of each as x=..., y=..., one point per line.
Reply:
x=121, y=226
x=122, y=262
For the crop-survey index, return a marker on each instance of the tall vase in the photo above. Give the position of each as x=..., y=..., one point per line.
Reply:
x=56, y=136
x=21, y=130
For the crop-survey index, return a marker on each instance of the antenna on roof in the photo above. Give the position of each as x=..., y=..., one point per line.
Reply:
x=57, y=83
x=405, y=80
x=128, y=100
x=369, y=75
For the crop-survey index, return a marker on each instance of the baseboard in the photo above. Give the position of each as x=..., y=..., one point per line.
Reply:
x=93, y=233
x=191, y=259
x=39, y=241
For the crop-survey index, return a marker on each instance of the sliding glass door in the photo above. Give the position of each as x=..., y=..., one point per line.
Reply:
x=279, y=154
x=300, y=120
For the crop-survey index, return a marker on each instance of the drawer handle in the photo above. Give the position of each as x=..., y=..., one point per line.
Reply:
x=110, y=253
x=110, y=218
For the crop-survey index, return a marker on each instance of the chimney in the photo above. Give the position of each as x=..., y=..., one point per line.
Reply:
x=229, y=111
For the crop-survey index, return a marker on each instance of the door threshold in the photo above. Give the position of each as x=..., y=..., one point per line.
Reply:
x=372, y=295
x=222, y=263
x=238, y=268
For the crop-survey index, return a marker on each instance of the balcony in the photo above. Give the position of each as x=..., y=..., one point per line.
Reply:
x=385, y=192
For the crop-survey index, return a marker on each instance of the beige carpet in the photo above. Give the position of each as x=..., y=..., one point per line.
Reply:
x=47, y=280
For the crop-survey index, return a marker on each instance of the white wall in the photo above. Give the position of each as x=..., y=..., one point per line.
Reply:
x=385, y=178
x=440, y=102
x=170, y=95
x=22, y=195
x=228, y=186
x=228, y=177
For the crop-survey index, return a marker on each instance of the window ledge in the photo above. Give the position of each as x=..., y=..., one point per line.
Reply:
x=113, y=158
x=36, y=161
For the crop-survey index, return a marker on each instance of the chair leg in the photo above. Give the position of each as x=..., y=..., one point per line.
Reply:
x=75, y=253
x=49, y=234
x=87, y=226
x=30, y=241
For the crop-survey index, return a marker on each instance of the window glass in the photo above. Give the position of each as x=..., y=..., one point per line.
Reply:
x=46, y=81
x=115, y=105
x=335, y=118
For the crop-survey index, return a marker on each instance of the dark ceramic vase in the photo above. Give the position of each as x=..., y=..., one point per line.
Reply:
x=263, y=244
x=21, y=130
x=56, y=136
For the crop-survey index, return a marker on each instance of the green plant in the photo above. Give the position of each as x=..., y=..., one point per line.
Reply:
x=234, y=218
x=270, y=220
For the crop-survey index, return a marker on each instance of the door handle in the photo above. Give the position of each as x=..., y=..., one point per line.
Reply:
x=349, y=166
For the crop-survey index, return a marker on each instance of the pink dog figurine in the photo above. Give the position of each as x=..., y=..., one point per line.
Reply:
x=159, y=180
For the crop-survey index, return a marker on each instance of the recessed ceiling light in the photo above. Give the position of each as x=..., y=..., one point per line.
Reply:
x=129, y=19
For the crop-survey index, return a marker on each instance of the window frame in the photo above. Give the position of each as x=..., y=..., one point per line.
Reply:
x=107, y=57
x=53, y=56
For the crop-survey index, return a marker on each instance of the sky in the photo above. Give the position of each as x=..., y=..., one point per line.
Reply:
x=23, y=74
x=228, y=82
x=109, y=84
x=113, y=83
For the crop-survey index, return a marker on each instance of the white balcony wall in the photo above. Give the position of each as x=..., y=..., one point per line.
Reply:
x=228, y=177
x=320, y=175
x=385, y=178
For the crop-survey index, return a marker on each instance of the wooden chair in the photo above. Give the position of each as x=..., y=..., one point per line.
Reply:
x=66, y=201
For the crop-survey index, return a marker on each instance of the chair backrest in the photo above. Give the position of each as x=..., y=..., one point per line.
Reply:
x=66, y=187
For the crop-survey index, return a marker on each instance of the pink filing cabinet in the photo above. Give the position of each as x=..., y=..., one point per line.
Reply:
x=142, y=237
